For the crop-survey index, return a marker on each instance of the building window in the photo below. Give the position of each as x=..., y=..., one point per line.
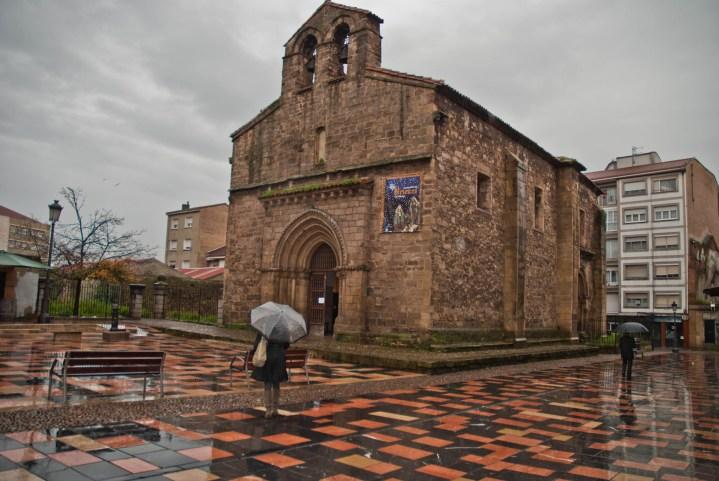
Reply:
x=538, y=209
x=483, y=191
x=612, y=248
x=636, y=300
x=582, y=233
x=187, y=245
x=636, y=272
x=309, y=60
x=612, y=277
x=611, y=196
x=664, y=185
x=666, y=213
x=664, y=300
x=666, y=242
x=173, y=245
x=185, y=264
x=188, y=222
x=174, y=224
x=666, y=271
x=632, y=189
x=638, y=243
x=611, y=216
x=635, y=216
x=321, y=146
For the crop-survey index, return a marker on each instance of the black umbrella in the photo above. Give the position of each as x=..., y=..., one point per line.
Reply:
x=632, y=328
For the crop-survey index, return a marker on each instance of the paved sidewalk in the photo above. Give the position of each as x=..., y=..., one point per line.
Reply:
x=577, y=423
x=390, y=357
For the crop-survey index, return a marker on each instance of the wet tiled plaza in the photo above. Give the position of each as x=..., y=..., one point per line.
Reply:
x=193, y=367
x=578, y=422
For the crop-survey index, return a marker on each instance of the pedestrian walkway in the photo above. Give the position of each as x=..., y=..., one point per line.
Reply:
x=392, y=356
x=193, y=367
x=578, y=422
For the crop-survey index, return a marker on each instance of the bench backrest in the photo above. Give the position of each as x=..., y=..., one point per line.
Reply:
x=294, y=358
x=90, y=363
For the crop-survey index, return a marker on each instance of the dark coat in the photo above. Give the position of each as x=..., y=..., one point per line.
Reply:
x=275, y=369
x=626, y=347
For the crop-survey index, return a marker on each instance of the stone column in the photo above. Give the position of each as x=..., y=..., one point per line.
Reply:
x=515, y=247
x=160, y=289
x=567, y=270
x=220, y=304
x=137, y=292
x=351, y=316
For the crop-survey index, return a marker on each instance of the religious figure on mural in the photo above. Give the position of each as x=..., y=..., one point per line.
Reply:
x=402, y=204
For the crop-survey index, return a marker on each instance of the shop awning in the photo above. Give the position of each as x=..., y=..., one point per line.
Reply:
x=13, y=260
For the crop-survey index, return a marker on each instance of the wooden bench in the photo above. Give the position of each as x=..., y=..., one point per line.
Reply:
x=295, y=359
x=108, y=363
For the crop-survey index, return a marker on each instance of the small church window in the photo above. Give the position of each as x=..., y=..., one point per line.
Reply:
x=321, y=146
x=538, y=209
x=309, y=59
x=483, y=191
x=342, y=40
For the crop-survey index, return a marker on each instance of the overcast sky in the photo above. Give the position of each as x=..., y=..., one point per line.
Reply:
x=134, y=101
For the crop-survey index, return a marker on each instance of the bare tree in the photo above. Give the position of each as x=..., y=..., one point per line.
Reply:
x=89, y=241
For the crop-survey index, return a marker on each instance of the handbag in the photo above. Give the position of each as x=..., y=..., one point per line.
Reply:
x=260, y=357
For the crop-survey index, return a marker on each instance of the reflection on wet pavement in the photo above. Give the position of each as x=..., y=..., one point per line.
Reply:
x=573, y=423
x=193, y=368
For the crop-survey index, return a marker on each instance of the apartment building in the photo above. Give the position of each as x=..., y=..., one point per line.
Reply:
x=192, y=233
x=661, y=222
x=23, y=235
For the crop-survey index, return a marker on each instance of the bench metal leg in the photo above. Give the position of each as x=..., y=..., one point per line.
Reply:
x=64, y=388
x=144, y=387
x=307, y=374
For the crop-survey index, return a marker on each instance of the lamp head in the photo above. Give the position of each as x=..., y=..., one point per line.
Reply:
x=55, y=209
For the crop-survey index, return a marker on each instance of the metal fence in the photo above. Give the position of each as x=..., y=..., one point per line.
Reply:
x=95, y=299
x=195, y=302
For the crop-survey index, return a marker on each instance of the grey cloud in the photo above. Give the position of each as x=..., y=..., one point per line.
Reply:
x=145, y=94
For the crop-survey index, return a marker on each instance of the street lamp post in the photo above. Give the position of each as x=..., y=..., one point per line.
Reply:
x=676, y=330
x=55, y=209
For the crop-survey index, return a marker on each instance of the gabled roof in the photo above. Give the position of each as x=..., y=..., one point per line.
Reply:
x=639, y=170
x=327, y=3
x=203, y=273
x=15, y=215
x=219, y=252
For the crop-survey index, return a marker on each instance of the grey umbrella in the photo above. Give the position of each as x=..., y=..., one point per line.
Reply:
x=278, y=322
x=632, y=328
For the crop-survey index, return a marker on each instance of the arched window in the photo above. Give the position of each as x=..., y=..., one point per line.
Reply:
x=342, y=40
x=309, y=59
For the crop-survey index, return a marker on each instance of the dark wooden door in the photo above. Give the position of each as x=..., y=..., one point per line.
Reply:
x=322, y=278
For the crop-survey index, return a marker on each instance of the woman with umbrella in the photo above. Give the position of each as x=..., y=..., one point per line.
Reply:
x=279, y=325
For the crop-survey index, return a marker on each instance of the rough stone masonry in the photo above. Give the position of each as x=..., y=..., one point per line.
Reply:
x=390, y=207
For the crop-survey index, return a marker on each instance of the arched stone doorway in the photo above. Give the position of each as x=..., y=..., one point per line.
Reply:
x=306, y=268
x=324, y=289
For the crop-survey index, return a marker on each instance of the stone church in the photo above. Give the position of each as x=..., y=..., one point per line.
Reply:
x=389, y=207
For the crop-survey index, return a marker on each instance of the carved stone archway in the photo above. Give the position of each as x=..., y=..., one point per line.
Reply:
x=291, y=262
